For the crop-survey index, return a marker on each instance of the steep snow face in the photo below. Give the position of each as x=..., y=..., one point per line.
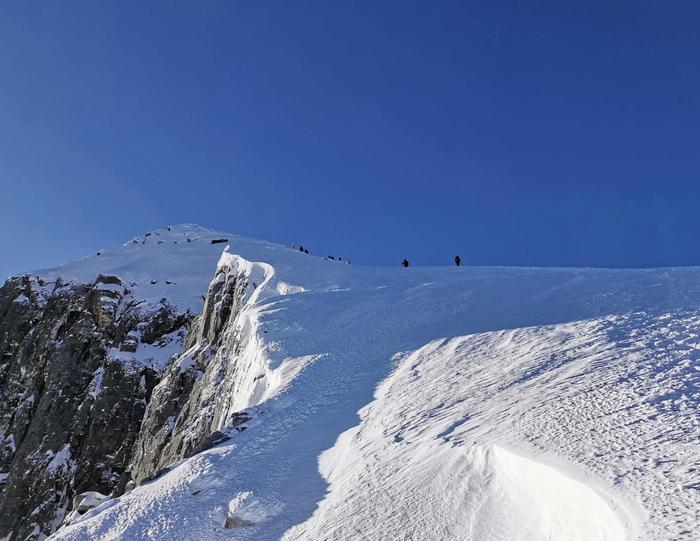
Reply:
x=493, y=404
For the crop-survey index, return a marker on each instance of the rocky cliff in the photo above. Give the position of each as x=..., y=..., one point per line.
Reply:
x=71, y=407
x=79, y=360
x=205, y=388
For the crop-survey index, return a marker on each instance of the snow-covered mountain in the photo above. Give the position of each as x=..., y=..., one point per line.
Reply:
x=312, y=399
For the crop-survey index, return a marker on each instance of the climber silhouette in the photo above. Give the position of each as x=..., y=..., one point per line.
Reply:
x=458, y=260
x=405, y=263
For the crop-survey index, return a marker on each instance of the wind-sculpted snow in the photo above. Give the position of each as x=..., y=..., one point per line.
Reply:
x=601, y=401
x=493, y=403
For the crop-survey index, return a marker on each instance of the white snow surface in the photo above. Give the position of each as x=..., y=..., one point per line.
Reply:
x=432, y=403
x=160, y=256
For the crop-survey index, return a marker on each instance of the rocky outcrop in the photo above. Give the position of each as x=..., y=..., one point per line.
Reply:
x=89, y=403
x=203, y=391
x=73, y=392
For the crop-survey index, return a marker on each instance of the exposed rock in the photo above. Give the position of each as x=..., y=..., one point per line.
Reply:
x=217, y=437
x=85, y=501
x=195, y=400
x=69, y=411
x=85, y=407
x=232, y=521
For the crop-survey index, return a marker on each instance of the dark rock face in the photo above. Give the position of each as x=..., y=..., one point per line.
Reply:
x=192, y=406
x=70, y=407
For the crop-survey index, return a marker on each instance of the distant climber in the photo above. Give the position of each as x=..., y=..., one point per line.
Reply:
x=301, y=248
x=306, y=250
x=404, y=263
x=458, y=260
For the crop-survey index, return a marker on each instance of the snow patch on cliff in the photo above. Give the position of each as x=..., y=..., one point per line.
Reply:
x=60, y=460
x=156, y=355
x=95, y=387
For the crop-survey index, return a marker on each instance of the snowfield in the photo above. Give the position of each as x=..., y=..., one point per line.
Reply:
x=483, y=404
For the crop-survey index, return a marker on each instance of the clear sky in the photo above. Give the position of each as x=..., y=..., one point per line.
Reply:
x=512, y=133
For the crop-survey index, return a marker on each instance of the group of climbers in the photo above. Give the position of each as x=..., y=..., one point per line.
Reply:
x=336, y=258
x=404, y=263
x=458, y=262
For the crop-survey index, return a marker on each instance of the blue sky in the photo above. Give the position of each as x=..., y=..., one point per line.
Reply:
x=512, y=133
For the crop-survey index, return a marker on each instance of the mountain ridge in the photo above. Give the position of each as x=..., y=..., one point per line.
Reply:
x=258, y=417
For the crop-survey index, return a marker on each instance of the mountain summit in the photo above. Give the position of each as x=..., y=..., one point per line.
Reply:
x=194, y=384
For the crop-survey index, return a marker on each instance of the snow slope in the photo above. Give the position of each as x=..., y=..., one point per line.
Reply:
x=436, y=403
x=175, y=262
x=171, y=266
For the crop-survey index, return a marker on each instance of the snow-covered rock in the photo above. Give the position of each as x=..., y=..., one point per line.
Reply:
x=85, y=501
x=81, y=348
x=216, y=377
